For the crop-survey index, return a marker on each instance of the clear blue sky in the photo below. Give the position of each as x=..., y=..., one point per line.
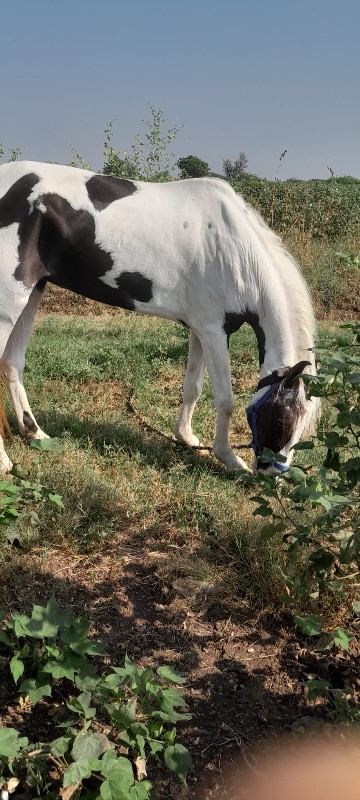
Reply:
x=256, y=76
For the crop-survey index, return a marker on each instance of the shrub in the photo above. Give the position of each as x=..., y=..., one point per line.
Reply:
x=112, y=724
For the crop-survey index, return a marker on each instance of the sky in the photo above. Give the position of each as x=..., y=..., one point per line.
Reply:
x=256, y=76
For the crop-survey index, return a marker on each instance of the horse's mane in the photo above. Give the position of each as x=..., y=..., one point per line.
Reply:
x=294, y=284
x=298, y=297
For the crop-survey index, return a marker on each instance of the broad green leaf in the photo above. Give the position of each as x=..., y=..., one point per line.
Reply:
x=170, y=736
x=77, y=631
x=156, y=746
x=124, y=715
x=60, y=746
x=89, y=647
x=111, y=791
x=35, y=690
x=82, y=705
x=311, y=625
x=56, y=500
x=57, y=614
x=76, y=772
x=141, y=791
x=139, y=729
x=7, y=487
x=168, y=674
x=46, y=445
x=170, y=717
x=119, y=780
x=89, y=745
x=262, y=511
x=53, y=650
x=60, y=669
x=16, y=668
x=342, y=638
x=178, y=759
x=44, y=622
x=10, y=743
x=87, y=680
x=21, y=622
x=173, y=697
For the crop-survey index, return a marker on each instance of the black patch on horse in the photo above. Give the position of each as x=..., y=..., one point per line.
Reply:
x=105, y=189
x=234, y=321
x=15, y=208
x=278, y=417
x=73, y=260
x=14, y=205
x=29, y=423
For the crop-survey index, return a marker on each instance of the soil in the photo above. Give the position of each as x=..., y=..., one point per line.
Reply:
x=242, y=669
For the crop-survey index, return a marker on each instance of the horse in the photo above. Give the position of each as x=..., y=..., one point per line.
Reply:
x=192, y=251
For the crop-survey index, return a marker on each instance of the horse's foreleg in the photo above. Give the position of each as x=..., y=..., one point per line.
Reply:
x=193, y=382
x=12, y=366
x=218, y=363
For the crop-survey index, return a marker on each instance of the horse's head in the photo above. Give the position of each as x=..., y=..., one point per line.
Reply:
x=277, y=417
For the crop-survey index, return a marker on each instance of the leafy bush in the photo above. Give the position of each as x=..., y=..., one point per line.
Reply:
x=315, y=510
x=316, y=208
x=150, y=159
x=111, y=724
x=22, y=494
x=192, y=167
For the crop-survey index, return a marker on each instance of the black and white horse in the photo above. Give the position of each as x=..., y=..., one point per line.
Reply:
x=191, y=251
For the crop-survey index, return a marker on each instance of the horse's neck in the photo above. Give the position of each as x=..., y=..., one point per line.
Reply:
x=280, y=331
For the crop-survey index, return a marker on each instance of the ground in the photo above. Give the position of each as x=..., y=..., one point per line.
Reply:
x=160, y=548
x=242, y=669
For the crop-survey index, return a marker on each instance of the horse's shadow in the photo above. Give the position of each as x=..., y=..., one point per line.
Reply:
x=152, y=447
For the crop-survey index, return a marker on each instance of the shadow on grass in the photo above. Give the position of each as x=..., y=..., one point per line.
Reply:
x=155, y=449
x=239, y=693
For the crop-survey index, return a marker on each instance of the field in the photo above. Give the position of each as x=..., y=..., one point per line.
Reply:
x=157, y=543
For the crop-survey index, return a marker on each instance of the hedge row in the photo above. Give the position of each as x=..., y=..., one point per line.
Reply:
x=317, y=208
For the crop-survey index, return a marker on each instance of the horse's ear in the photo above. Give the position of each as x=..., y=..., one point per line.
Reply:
x=294, y=372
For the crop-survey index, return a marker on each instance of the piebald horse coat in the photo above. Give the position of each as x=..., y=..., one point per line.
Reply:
x=191, y=251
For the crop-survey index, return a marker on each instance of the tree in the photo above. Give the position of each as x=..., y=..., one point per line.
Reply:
x=233, y=169
x=192, y=167
x=150, y=159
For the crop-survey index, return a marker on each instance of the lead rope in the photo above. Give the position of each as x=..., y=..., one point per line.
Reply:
x=172, y=439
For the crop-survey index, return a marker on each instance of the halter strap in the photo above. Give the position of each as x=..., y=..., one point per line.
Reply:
x=273, y=379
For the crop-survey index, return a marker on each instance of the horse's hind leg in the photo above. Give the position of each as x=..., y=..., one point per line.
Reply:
x=217, y=359
x=12, y=366
x=193, y=382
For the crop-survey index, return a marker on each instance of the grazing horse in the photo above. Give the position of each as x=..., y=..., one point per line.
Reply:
x=191, y=251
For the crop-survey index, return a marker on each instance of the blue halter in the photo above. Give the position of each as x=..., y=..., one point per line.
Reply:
x=252, y=416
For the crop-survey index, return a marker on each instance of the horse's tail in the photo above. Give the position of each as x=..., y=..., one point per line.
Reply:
x=4, y=424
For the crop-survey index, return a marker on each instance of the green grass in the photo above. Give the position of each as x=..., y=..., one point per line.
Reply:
x=123, y=484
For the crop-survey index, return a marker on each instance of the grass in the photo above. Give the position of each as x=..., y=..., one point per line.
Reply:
x=334, y=287
x=127, y=488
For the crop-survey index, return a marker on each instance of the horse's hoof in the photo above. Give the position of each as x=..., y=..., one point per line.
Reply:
x=40, y=435
x=5, y=464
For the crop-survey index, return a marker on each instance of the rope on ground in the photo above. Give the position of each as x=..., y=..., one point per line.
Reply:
x=170, y=438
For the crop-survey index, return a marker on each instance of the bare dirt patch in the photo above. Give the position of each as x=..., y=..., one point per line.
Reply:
x=242, y=668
